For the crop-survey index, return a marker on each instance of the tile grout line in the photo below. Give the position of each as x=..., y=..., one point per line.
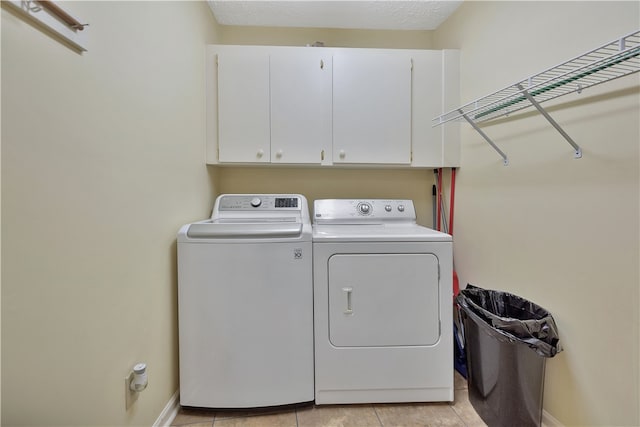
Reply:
x=453, y=406
x=377, y=416
x=458, y=415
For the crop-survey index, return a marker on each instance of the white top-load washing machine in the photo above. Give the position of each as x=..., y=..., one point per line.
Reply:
x=245, y=304
x=382, y=304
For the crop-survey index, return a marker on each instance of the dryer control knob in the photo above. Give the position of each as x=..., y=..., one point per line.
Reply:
x=255, y=202
x=401, y=208
x=387, y=208
x=364, y=208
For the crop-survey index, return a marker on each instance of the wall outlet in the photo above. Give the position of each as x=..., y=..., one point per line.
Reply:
x=130, y=396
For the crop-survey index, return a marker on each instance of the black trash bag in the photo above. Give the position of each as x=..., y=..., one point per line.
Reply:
x=513, y=318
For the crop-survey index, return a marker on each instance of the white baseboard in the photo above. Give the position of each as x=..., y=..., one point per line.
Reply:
x=169, y=412
x=549, y=421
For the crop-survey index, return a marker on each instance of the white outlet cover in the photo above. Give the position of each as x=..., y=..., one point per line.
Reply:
x=130, y=396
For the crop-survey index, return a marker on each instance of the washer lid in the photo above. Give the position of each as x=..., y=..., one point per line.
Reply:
x=213, y=229
x=377, y=233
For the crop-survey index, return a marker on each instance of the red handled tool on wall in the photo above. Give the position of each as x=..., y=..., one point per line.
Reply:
x=441, y=218
x=456, y=283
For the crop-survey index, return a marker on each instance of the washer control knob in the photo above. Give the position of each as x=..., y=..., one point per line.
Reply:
x=401, y=208
x=255, y=202
x=364, y=208
x=387, y=208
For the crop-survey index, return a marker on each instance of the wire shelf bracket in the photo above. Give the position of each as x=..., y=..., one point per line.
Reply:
x=505, y=159
x=616, y=59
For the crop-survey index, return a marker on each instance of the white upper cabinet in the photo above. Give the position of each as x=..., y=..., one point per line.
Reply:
x=331, y=106
x=300, y=106
x=372, y=108
x=243, y=106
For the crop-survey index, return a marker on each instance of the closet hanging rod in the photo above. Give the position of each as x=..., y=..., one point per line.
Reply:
x=61, y=14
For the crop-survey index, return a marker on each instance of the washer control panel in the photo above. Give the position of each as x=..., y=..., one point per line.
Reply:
x=258, y=202
x=363, y=211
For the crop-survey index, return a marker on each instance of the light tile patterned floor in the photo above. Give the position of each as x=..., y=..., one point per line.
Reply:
x=458, y=413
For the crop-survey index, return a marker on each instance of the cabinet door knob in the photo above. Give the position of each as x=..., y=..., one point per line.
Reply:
x=279, y=154
x=342, y=154
x=260, y=153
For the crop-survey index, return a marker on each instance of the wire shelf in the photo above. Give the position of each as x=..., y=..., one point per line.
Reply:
x=613, y=60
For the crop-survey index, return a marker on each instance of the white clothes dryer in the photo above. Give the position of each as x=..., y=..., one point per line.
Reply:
x=382, y=304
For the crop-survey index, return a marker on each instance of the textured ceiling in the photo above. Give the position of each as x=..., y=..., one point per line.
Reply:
x=359, y=14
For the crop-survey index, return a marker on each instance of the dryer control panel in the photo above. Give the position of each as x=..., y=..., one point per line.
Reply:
x=354, y=211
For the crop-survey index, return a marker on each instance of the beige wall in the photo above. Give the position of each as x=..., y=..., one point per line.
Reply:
x=102, y=161
x=559, y=231
x=320, y=183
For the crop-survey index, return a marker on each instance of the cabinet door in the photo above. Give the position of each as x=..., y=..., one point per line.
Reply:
x=243, y=107
x=372, y=108
x=300, y=106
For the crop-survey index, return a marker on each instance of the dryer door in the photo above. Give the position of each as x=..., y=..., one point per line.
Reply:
x=383, y=300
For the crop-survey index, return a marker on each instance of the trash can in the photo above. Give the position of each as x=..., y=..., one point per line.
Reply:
x=507, y=341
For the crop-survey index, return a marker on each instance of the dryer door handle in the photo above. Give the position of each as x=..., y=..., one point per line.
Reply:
x=348, y=292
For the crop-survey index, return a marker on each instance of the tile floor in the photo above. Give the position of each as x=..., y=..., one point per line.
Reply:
x=459, y=413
